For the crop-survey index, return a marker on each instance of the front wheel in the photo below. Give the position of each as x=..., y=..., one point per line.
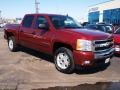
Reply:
x=12, y=44
x=64, y=60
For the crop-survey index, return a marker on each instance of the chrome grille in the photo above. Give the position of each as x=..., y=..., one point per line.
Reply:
x=103, y=45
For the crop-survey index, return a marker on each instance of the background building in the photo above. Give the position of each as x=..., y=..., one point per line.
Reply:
x=108, y=12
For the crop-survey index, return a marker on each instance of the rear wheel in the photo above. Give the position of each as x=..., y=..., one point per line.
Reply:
x=12, y=44
x=64, y=60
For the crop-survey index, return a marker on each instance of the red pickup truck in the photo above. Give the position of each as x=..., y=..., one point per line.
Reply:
x=62, y=37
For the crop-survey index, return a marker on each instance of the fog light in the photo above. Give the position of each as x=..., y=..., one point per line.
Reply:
x=87, y=62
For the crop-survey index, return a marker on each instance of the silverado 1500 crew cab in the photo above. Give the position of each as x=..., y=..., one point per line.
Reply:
x=62, y=37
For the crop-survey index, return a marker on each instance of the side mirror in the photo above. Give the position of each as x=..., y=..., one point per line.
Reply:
x=43, y=26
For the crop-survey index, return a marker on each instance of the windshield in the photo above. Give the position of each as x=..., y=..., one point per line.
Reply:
x=64, y=22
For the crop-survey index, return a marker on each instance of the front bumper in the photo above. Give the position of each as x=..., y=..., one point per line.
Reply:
x=93, y=57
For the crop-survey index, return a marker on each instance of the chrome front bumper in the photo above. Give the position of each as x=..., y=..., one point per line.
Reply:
x=104, y=54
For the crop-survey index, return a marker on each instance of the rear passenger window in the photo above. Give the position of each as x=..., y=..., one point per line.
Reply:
x=27, y=22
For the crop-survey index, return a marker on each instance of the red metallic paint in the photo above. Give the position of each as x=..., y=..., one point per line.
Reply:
x=44, y=40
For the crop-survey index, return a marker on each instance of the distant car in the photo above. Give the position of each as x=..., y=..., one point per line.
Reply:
x=101, y=27
x=116, y=36
x=2, y=25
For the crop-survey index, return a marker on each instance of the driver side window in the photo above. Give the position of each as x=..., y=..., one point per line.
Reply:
x=40, y=20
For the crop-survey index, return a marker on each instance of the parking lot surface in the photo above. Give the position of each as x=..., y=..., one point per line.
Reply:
x=28, y=69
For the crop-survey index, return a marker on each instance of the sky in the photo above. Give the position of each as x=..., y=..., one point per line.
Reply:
x=74, y=8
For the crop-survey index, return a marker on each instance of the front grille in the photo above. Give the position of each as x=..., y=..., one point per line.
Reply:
x=103, y=45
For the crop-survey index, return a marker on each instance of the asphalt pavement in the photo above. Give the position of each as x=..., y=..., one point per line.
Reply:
x=28, y=69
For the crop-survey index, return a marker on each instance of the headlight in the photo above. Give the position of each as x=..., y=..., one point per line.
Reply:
x=84, y=45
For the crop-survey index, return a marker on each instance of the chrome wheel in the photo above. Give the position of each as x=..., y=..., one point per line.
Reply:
x=11, y=45
x=63, y=60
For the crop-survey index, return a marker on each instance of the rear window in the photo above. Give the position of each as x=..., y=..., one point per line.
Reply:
x=27, y=22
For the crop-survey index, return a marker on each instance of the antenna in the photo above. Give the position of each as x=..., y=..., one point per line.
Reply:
x=36, y=6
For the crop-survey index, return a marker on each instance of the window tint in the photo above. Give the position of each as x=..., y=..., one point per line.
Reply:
x=27, y=22
x=40, y=20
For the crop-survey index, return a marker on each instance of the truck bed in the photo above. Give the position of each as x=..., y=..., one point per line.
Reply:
x=12, y=26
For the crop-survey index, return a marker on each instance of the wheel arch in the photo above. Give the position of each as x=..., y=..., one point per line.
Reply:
x=8, y=34
x=57, y=45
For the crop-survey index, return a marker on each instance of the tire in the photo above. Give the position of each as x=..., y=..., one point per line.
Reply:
x=12, y=44
x=63, y=59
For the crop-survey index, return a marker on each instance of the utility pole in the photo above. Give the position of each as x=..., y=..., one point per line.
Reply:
x=37, y=6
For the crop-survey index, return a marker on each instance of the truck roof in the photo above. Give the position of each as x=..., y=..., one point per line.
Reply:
x=45, y=14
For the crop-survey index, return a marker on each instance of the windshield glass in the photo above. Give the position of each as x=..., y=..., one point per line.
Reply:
x=64, y=22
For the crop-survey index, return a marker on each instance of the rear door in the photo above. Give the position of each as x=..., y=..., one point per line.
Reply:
x=26, y=31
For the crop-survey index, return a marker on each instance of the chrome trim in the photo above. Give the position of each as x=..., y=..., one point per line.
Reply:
x=104, y=54
x=104, y=40
x=105, y=50
x=103, y=43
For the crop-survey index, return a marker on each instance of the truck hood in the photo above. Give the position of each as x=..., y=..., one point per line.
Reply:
x=88, y=34
x=116, y=38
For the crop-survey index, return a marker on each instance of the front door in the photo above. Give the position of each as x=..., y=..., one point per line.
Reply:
x=42, y=37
